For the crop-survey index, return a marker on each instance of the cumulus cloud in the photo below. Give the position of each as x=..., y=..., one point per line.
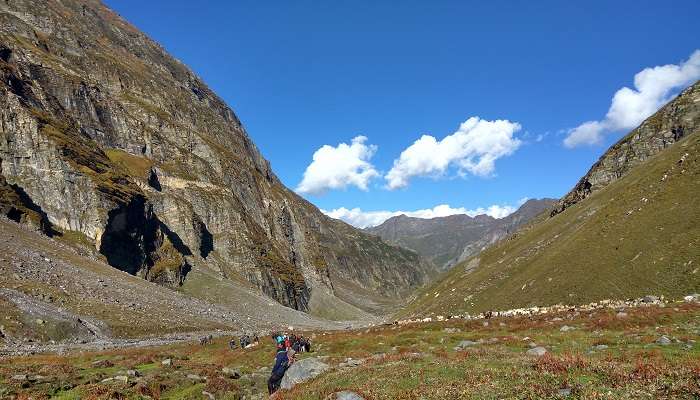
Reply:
x=364, y=219
x=339, y=167
x=474, y=149
x=653, y=87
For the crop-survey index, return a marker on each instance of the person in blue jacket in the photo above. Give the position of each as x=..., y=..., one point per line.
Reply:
x=280, y=367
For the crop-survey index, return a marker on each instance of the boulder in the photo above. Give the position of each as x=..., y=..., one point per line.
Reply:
x=231, y=372
x=663, y=340
x=464, y=344
x=344, y=395
x=566, y=328
x=650, y=299
x=538, y=351
x=302, y=371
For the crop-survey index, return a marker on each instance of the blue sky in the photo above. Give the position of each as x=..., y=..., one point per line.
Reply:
x=303, y=74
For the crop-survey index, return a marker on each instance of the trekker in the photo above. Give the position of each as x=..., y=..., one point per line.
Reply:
x=280, y=367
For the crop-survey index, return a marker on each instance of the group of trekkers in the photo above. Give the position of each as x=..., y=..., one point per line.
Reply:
x=246, y=341
x=287, y=348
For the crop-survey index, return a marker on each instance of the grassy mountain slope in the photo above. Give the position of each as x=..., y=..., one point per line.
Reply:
x=640, y=234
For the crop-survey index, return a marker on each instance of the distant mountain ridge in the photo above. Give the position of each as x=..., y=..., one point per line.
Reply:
x=446, y=241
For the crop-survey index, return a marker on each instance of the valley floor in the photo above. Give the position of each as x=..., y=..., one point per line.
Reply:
x=650, y=351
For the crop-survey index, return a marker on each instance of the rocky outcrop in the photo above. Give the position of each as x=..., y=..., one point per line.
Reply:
x=448, y=240
x=676, y=120
x=103, y=133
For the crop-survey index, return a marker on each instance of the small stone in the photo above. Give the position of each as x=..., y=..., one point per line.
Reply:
x=231, y=372
x=194, y=377
x=133, y=372
x=167, y=362
x=532, y=345
x=40, y=321
x=537, y=352
x=601, y=347
x=21, y=377
x=121, y=378
x=663, y=340
x=566, y=328
x=344, y=395
x=564, y=392
x=208, y=395
x=464, y=344
x=650, y=299
x=622, y=315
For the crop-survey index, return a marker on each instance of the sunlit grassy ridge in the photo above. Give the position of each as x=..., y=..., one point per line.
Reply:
x=640, y=235
x=410, y=362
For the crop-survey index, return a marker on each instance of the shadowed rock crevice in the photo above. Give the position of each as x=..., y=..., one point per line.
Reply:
x=153, y=180
x=137, y=242
x=206, y=239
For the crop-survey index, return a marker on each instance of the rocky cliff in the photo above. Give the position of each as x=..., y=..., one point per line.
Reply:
x=677, y=119
x=448, y=240
x=106, y=138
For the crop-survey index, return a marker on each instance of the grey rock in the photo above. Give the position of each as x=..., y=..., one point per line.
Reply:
x=621, y=315
x=566, y=328
x=167, y=362
x=302, y=371
x=564, y=392
x=231, y=372
x=195, y=377
x=663, y=340
x=344, y=395
x=537, y=351
x=600, y=347
x=650, y=299
x=133, y=372
x=121, y=378
x=464, y=344
x=20, y=377
x=208, y=395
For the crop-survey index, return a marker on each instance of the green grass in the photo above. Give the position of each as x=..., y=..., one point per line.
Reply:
x=614, y=244
x=413, y=362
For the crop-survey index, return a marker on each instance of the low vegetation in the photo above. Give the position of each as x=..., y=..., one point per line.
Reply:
x=597, y=354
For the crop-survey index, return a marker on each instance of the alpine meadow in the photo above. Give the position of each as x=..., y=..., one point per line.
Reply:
x=449, y=200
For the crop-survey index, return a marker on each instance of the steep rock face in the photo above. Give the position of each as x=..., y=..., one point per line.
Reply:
x=103, y=133
x=448, y=240
x=677, y=119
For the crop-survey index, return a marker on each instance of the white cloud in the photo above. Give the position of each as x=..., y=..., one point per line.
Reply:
x=364, y=219
x=339, y=167
x=474, y=149
x=653, y=87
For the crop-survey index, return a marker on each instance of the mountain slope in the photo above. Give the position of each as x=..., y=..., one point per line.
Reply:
x=637, y=235
x=106, y=137
x=448, y=240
